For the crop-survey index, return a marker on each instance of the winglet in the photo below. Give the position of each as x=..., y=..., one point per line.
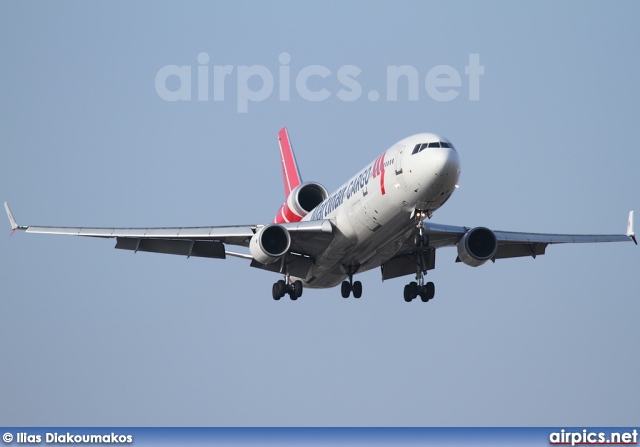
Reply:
x=14, y=225
x=290, y=172
x=630, y=231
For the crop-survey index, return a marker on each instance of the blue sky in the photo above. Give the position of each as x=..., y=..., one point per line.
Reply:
x=95, y=336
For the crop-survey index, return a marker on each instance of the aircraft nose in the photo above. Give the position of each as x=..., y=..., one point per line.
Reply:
x=450, y=162
x=449, y=165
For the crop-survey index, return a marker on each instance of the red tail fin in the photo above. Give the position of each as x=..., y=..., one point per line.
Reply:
x=290, y=172
x=300, y=198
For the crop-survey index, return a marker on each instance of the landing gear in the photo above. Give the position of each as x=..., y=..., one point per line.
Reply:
x=297, y=289
x=410, y=291
x=351, y=286
x=355, y=287
x=421, y=241
x=421, y=238
x=282, y=288
x=426, y=291
x=346, y=289
x=286, y=286
x=279, y=290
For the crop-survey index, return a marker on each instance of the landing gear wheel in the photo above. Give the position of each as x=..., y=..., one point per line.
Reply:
x=430, y=290
x=282, y=288
x=275, y=292
x=407, y=294
x=297, y=288
x=427, y=292
x=346, y=289
x=357, y=289
x=292, y=295
x=279, y=290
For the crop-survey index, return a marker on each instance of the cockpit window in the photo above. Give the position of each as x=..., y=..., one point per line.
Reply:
x=423, y=146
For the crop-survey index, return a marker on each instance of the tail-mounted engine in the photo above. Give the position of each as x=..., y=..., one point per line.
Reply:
x=303, y=198
x=270, y=243
x=477, y=246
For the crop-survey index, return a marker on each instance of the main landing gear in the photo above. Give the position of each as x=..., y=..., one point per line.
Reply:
x=286, y=286
x=414, y=289
x=351, y=286
x=282, y=288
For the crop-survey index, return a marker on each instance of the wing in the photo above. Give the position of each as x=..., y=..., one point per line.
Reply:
x=510, y=245
x=307, y=238
x=515, y=244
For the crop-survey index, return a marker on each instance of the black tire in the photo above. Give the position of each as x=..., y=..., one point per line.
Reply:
x=346, y=289
x=282, y=288
x=297, y=288
x=275, y=292
x=430, y=289
x=292, y=295
x=425, y=240
x=357, y=289
x=407, y=294
x=417, y=240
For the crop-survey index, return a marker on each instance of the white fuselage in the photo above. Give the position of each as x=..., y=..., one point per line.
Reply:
x=374, y=211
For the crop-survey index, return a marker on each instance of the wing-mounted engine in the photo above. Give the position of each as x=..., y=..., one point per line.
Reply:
x=477, y=246
x=303, y=198
x=270, y=243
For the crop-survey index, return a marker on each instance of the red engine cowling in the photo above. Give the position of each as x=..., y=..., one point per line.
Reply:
x=304, y=198
x=477, y=246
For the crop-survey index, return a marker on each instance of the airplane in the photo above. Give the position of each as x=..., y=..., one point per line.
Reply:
x=375, y=219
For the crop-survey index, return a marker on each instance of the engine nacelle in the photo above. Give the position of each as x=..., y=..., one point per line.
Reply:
x=270, y=243
x=477, y=246
x=304, y=198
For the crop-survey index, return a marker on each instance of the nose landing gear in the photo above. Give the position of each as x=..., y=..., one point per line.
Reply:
x=421, y=238
x=418, y=287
